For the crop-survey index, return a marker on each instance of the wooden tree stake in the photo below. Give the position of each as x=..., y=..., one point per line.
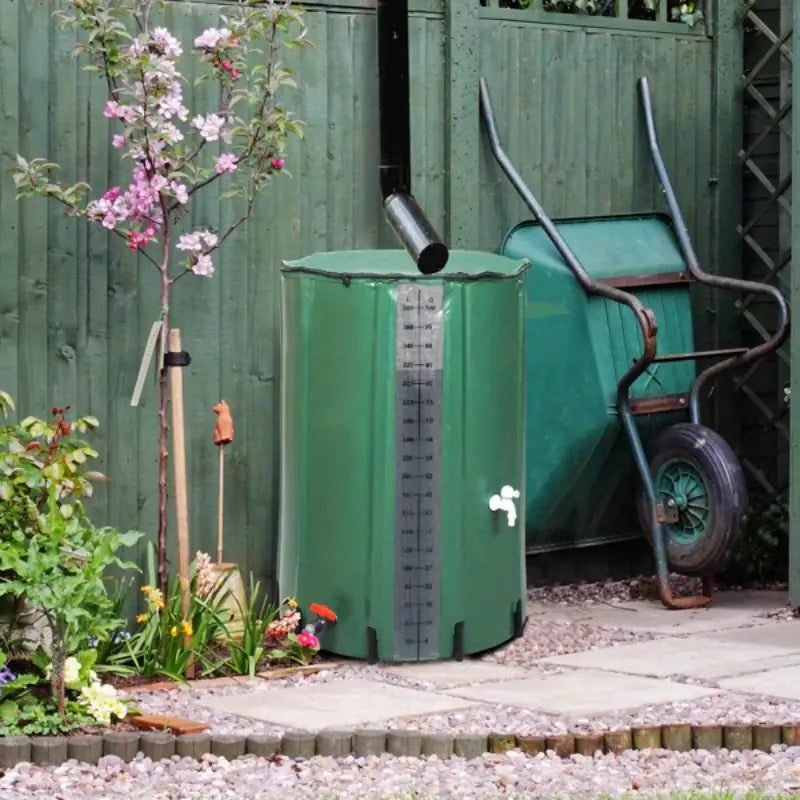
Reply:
x=220, y=514
x=223, y=433
x=181, y=487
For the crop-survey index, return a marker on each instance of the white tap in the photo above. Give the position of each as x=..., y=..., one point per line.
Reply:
x=505, y=502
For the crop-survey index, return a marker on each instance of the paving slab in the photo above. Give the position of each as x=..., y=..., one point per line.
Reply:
x=698, y=657
x=729, y=610
x=582, y=692
x=784, y=634
x=781, y=682
x=455, y=673
x=336, y=704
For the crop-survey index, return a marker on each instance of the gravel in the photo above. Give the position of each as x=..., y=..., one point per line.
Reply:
x=641, y=773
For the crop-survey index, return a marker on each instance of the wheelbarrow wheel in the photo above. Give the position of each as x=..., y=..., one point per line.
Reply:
x=700, y=483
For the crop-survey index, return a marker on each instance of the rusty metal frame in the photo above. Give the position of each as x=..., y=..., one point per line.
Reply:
x=642, y=281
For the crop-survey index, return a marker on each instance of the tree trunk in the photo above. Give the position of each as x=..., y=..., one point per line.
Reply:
x=163, y=440
x=57, y=669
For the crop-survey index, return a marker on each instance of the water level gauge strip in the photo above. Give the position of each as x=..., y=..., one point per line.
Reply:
x=418, y=467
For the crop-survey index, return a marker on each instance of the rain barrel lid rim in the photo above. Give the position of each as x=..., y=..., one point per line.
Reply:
x=345, y=265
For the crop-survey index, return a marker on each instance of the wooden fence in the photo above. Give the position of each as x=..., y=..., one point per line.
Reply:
x=75, y=308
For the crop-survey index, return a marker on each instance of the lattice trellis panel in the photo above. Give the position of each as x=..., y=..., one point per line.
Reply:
x=765, y=234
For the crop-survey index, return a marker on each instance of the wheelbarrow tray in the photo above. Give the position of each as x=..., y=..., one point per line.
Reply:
x=580, y=473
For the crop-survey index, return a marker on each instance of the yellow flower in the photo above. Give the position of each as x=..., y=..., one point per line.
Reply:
x=143, y=618
x=146, y=589
x=173, y=631
x=291, y=602
x=158, y=602
x=187, y=628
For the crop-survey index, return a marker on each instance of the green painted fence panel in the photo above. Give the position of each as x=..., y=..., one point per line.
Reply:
x=75, y=307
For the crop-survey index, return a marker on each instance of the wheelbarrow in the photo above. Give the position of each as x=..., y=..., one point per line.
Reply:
x=603, y=277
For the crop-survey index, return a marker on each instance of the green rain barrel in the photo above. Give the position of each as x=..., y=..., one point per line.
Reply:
x=403, y=416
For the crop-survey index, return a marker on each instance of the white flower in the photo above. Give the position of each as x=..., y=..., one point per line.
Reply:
x=72, y=670
x=203, y=266
x=181, y=192
x=101, y=702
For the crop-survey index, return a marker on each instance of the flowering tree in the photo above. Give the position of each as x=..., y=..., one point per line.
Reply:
x=174, y=153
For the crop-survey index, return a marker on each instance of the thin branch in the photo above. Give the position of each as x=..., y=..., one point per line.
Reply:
x=143, y=252
x=231, y=229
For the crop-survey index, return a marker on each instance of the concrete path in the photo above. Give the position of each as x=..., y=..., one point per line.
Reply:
x=731, y=646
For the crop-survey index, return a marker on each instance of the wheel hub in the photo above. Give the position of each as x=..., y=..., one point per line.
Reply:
x=681, y=487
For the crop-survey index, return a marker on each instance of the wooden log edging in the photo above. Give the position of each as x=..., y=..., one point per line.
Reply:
x=363, y=742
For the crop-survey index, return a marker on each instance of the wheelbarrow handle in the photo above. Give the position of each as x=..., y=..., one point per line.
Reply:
x=717, y=281
x=644, y=316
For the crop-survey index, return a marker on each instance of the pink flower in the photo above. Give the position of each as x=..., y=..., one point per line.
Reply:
x=138, y=239
x=166, y=43
x=193, y=242
x=211, y=37
x=306, y=639
x=118, y=141
x=210, y=126
x=277, y=163
x=235, y=73
x=226, y=163
x=226, y=65
x=111, y=109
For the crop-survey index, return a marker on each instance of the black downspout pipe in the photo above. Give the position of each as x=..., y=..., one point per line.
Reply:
x=402, y=211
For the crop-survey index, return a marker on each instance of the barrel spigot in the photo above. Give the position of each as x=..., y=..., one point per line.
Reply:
x=505, y=502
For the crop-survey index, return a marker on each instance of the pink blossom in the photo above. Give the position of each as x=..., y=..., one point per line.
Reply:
x=226, y=65
x=171, y=133
x=235, y=73
x=307, y=639
x=209, y=126
x=189, y=241
x=110, y=110
x=203, y=266
x=211, y=37
x=193, y=242
x=118, y=141
x=277, y=163
x=226, y=163
x=139, y=239
x=167, y=44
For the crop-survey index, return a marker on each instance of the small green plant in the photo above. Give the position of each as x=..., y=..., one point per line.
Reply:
x=51, y=554
x=298, y=647
x=247, y=649
x=168, y=638
x=763, y=555
x=26, y=708
x=303, y=646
